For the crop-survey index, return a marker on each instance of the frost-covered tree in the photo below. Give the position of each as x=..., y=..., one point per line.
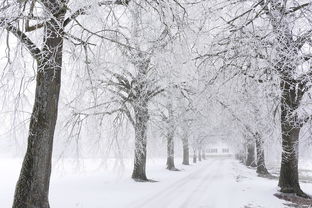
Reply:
x=33, y=185
x=275, y=36
x=274, y=29
x=45, y=20
x=174, y=114
x=140, y=31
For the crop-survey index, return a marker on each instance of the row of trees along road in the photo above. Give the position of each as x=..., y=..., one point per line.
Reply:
x=270, y=41
x=265, y=41
x=51, y=18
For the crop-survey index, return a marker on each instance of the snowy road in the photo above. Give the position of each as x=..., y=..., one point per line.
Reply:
x=202, y=188
x=217, y=184
x=213, y=183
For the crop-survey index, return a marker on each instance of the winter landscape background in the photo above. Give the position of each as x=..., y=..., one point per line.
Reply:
x=155, y=103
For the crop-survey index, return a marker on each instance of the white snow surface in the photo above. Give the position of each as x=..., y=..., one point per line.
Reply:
x=212, y=183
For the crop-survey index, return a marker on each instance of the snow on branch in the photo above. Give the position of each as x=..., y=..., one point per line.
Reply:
x=33, y=49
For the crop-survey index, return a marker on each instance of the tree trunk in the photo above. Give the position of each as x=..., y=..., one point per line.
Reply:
x=32, y=188
x=241, y=155
x=250, y=160
x=199, y=155
x=142, y=116
x=289, y=179
x=170, y=137
x=170, y=152
x=261, y=168
x=194, y=157
x=186, y=154
x=203, y=154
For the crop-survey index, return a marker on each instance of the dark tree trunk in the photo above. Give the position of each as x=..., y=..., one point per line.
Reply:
x=250, y=160
x=261, y=168
x=241, y=155
x=170, y=138
x=194, y=157
x=186, y=153
x=292, y=91
x=170, y=152
x=32, y=188
x=139, y=98
x=203, y=154
x=289, y=179
x=142, y=116
x=199, y=155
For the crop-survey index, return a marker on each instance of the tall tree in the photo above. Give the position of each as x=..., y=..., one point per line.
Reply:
x=271, y=33
x=289, y=54
x=292, y=88
x=32, y=188
x=33, y=184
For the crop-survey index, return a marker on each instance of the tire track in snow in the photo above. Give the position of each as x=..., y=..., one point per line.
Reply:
x=200, y=191
x=171, y=194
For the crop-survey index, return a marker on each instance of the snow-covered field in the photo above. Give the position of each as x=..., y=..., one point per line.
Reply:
x=213, y=183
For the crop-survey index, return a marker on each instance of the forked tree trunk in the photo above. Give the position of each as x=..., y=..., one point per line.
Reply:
x=170, y=152
x=261, y=168
x=141, y=118
x=32, y=188
x=250, y=159
x=186, y=153
x=289, y=179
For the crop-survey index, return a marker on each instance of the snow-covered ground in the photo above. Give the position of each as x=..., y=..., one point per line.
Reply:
x=213, y=183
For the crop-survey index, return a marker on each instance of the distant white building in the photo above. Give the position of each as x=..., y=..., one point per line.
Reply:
x=219, y=149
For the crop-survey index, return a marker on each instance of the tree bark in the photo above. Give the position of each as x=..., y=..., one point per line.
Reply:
x=141, y=118
x=170, y=136
x=32, y=188
x=203, y=154
x=170, y=152
x=250, y=160
x=186, y=153
x=261, y=168
x=199, y=155
x=289, y=179
x=194, y=157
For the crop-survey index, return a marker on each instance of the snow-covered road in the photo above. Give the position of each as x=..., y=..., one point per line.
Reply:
x=212, y=183
x=193, y=190
x=216, y=184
